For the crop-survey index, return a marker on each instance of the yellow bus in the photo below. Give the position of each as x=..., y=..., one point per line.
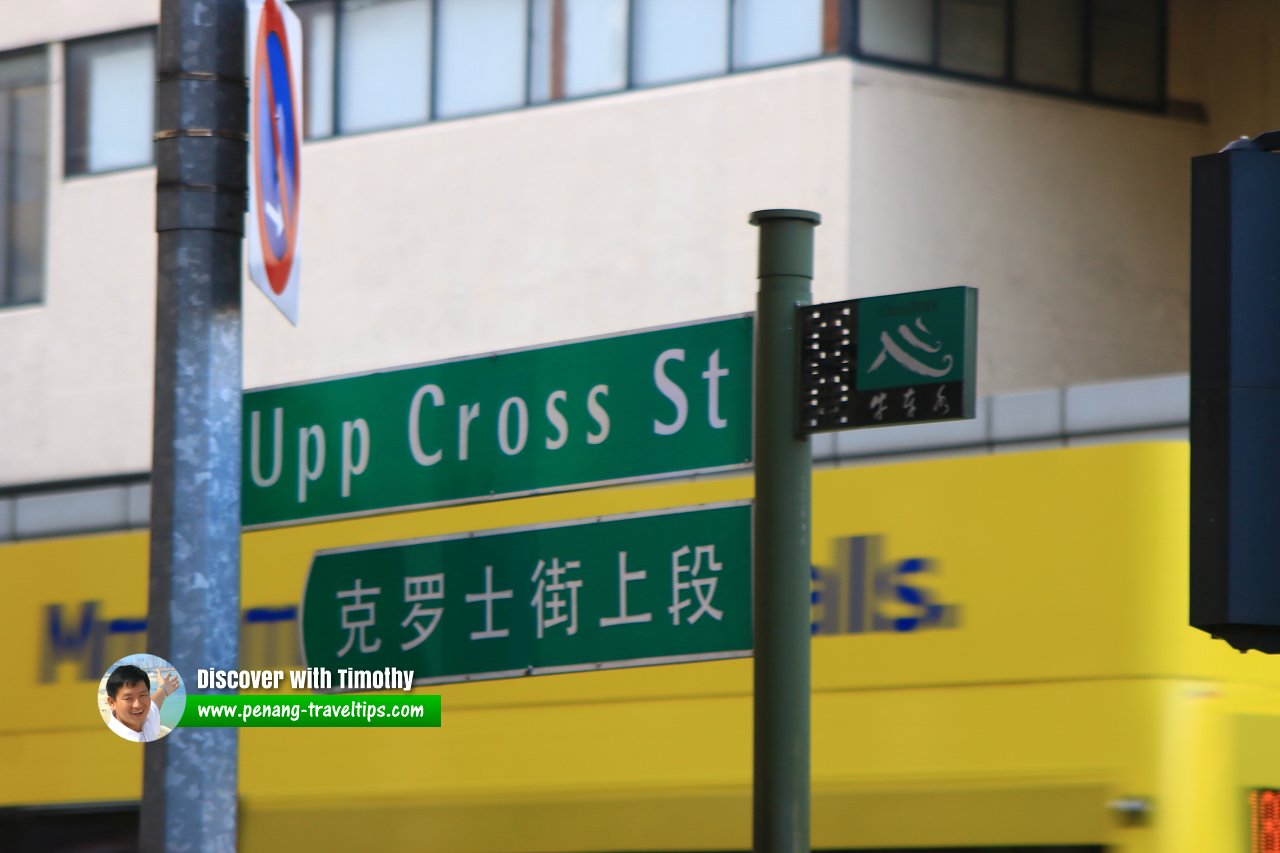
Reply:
x=1001, y=661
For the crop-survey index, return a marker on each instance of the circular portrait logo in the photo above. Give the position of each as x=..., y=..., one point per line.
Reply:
x=141, y=697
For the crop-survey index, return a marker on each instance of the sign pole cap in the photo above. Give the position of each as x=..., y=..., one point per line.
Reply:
x=773, y=214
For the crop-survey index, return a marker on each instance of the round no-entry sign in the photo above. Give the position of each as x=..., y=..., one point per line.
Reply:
x=275, y=149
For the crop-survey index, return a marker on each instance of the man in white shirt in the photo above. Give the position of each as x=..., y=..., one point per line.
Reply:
x=135, y=710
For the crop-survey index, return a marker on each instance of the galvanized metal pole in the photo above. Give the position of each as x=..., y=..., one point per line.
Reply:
x=189, y=783
x=780, y=538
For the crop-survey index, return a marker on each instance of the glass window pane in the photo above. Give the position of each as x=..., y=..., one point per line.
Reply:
x=28, y=176
x=971, y=37
x=383, y=60
x=766, y=32
x=579, y=47
x=24, y=141
x=543, y=50
x=679, y=39
x=595, y=46
x=481, y=66
x=1126, y=50
x=1047, y=43
x=7, y=174
x=317, y=67
x=896, y=29
x=110, y=103
x=23, y=70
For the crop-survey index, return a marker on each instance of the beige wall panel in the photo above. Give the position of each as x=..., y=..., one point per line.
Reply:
x=78, y=369
x=1071, y=219
x=32, y=22
x=555, y=223
x=1235, y=54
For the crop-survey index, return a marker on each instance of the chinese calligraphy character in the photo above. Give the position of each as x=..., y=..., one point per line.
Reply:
x=940, y=404
x=625, y=577
x=488, y=597
x=548, y=600
x=703, y=587
x=879, y=405
x=358, y=617
x=416, y=591
x=909, y=402
x=891, y=348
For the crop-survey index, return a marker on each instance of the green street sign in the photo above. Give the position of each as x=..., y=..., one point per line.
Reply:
x=650, y=588
x=885, y=360
x=646, y=404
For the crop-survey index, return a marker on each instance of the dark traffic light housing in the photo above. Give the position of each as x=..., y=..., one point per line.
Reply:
x=1235, y=393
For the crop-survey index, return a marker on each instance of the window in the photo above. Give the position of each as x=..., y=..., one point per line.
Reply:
x=24, y=136
x=971, y=36
x=318, y=48
x=384, y=64
x=769, y=32
x=678, y=40
x=1049, y=43
x=366, y=64
x=896, y=29
x=374, y=64
x=110, y=102
x=579, y=48
x=481, y=62
x=1128, y=50
x=1110, y=50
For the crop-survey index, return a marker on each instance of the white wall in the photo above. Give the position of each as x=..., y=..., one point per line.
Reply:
x=34, y=22
x=555, y=223
x=1071, y=219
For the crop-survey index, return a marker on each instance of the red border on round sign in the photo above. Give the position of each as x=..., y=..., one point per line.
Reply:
x=278, y=268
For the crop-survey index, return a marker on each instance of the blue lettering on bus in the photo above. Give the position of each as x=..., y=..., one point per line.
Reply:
x=84, y=636
x=865, y=594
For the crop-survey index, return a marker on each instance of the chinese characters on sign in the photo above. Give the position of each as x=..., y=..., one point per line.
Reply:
x=662, y=587
x=876, y=361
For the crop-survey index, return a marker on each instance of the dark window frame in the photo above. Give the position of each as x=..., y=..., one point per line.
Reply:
x=852, y=47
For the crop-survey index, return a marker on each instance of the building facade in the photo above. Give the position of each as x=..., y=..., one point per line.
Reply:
x=488, y=175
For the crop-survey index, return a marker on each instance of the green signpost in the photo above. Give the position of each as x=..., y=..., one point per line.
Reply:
x=650, y=588
x=653, y=403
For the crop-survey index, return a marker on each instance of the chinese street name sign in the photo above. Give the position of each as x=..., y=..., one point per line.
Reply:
x=662, y=587
x=886, y=360
x=636, y=406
